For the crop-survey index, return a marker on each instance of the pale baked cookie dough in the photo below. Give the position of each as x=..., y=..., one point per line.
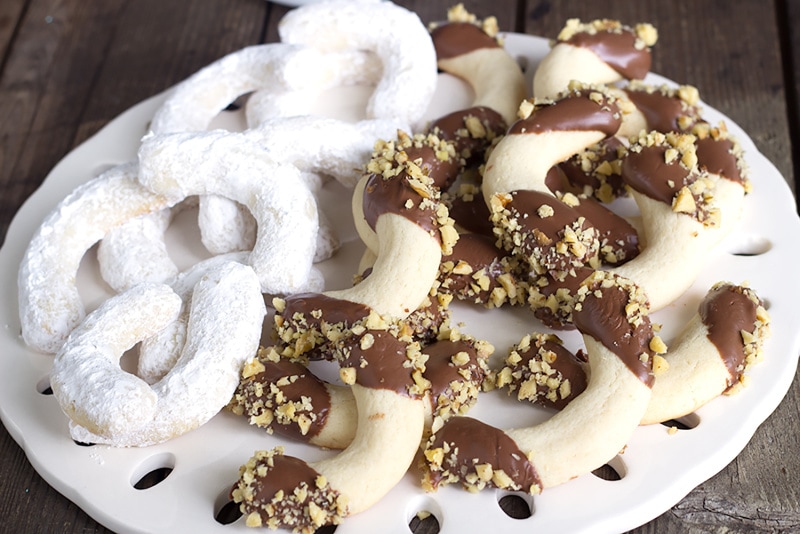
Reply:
x=378, y=357
x=471, y=49
x=621, y=345
x=285, y=397
x=602, y=51
x=709, y=357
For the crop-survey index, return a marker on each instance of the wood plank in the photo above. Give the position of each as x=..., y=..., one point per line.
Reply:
x=789, y=20
x=429, y=11
x=23, y=492
x=36, y=137
x=11, y=14
x=139, y=64
x=436, y=10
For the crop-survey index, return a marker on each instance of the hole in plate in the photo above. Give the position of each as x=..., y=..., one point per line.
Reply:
x=153, y=471
x=750, y=245
x=43, y=386
x=516, y=504
x=522, y=61
x=687, y=422
x=424, y=516
x=424, y=522
x=229, y=513
x=225, y=510
x=153, y=478
x=612, y=471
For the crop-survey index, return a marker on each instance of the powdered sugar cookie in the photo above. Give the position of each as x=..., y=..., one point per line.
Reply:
x=49, y=303
x=394, y=34
x=228, y=164
x=135, y=252
x=108, y=405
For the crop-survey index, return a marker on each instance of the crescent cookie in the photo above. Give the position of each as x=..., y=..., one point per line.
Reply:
x=108, y=405
x=230, y=165
x=49, y=303
x=394, y=34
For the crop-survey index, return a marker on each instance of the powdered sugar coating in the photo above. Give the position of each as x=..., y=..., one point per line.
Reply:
x=136, y=252
x=86, y=379
x=224, y=330
x=322, y=145
x=230, y=165
x=196, y=101
x=396, y=35
x=49, y=303
x=342, y=68
x=159, y=352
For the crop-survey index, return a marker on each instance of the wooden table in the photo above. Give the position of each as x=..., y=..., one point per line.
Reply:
x=68, y=67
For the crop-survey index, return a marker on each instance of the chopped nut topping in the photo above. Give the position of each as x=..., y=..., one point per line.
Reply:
x=545, y=211
x=645, y=34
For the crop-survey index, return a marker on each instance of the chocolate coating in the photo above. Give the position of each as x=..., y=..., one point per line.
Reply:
x=606, y=319
x=575, y=112
x=727, y=311
x=619, y=241
x=647, y=172
x=716, y=156
x=297, y=386
x=618, y=50
x=442, y=172
x=472, y=215
x=441, y=371
x=396, y=196
x=480, y=253
x=541, y=235
x=564, y=290
x=381, y=365
x=458, y=38
x=308, y=316
x=564, y=365
x=427, y=319
x=606, y=150
x=453, y=127
x=280, y=490
x=316, y=308
x=663, y=111
x=473, y=443
x=285, y=474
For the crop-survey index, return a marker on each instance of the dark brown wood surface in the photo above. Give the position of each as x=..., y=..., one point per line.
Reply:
x=67, y=67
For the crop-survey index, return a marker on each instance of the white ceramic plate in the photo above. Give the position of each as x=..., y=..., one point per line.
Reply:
x=657, y=468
